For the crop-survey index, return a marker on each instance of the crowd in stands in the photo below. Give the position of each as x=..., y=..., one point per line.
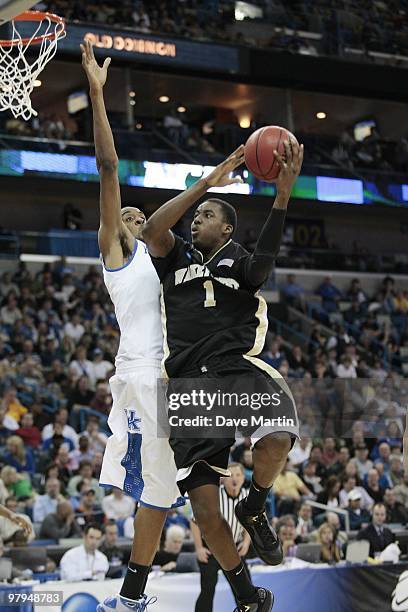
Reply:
x=58, y=340
x=341, y=25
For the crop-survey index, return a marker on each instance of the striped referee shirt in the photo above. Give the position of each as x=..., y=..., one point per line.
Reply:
x=227, y=505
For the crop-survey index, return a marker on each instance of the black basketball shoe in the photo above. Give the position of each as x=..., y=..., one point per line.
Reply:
x=263, y=536
x=264, y=603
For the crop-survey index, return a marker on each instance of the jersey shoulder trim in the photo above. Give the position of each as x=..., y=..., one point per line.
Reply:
x=129, y=261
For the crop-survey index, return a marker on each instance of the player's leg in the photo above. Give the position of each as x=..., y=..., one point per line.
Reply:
x=208, y=582
x=149, y=524
x=218, y=536
x=246, y=569
x=148, y=473
x=270, y=451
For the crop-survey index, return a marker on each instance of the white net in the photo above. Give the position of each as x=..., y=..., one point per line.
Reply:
x=19, y=69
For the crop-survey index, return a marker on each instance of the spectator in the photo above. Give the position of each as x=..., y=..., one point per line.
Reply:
x=384, y=456
x=112, y=552
x=293, y=293
x=60, y=524
x=53, y=443
x=10, y=313
x=377, y=533
x=288, y=488
x=28, y=432
x=12, y=404
x=173, y=543
x=18, y=485
x=7, y=425
x=85, y=473
x=75, y=330
x=85, y=562
x=97, y=439
x=102, y=400
x=273, y=356
x=88, y=510
x=340, y=536
x=401, y=491
x=330, y=453
x=396, y=471
x=355, y=293
x=316, y=455
x=343, y=458
x=72, y=217
x=62, y=462
x=359, y=517
x=346, y=369
x=329, y=550
x=396, y=512
x=81, y=366
x=16, y=456
x=363, y=463
x=304, y=524
x=83, y=453
x=373, y=488
x=351, y=483
x=101, y=366
x=330, y=294
x=81, y=396
x=300, y=451
x=61, y=416
x=330, y=494
x=310, y=479
x=117, y=505
x=297, y=362
x=286, y=531
x=47, y=503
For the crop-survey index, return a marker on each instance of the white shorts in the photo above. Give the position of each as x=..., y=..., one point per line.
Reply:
x=135, y=459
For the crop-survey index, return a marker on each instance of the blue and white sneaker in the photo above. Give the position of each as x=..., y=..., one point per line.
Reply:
x=121, y=604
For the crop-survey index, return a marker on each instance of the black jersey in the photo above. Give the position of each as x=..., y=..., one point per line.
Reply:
x=209, y=310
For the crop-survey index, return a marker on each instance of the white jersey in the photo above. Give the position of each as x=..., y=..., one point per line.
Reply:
x=135, y=292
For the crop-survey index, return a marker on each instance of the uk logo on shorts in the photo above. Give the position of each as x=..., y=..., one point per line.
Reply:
x=133, y=421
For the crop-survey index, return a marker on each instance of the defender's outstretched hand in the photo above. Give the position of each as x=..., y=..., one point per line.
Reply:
x=96, y=74
x=290, y=166
x=220, y=176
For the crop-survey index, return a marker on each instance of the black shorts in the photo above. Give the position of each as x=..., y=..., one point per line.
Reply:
x=202, y=460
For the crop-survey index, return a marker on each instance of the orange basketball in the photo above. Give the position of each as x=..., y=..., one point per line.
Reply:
x=259, y=148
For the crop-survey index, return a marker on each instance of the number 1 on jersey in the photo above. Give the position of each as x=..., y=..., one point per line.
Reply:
x=209, y=301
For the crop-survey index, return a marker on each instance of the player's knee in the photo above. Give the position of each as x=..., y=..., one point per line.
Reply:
x=207, y=517
x=275, y=446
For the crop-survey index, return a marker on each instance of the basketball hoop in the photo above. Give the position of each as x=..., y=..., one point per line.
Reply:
x=17, y=73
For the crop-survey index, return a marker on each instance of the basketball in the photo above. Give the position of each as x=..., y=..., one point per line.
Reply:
x=259, y=148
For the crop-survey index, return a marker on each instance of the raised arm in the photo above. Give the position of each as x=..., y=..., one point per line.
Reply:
x=111, y=227
x=260, y=264
x=156, y=231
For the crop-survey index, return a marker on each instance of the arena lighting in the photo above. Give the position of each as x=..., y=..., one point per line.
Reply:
x=181, y=109
x=37, y=83
x=132, y=94
x=132, y=103
x=245, y=122
x=321, y=115
x=164, y=99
